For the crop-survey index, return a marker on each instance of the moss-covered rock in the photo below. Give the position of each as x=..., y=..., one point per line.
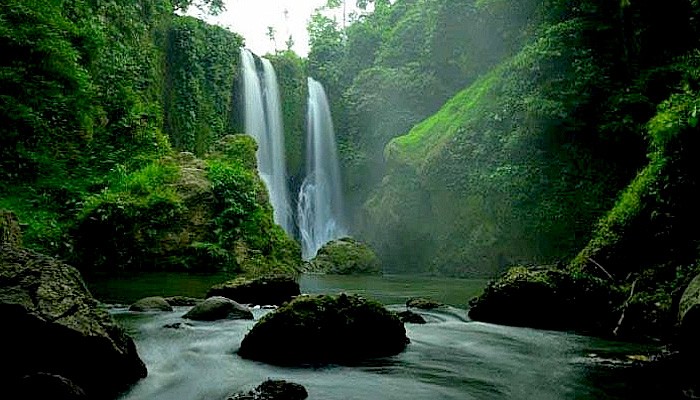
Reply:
x=185, y=213
x=266, y=290
x=215, y=308
x=322, y=329
x=548, y=299
x=155, y=303
x=179, y=301
x=274, y=390
x=345, y=256
x=410, y=317
x=52, y=324
x=423, y=303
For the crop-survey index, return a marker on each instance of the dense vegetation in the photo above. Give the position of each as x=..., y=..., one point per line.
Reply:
x=98, y=98
x=474, y=134
x=499, y=141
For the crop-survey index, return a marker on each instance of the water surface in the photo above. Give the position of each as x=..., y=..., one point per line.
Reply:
x=448, y=358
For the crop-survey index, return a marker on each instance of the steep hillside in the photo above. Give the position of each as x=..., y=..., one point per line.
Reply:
x=518, y=167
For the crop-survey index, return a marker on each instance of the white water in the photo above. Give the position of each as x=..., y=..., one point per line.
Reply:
x=320, y=206
x=263, y=121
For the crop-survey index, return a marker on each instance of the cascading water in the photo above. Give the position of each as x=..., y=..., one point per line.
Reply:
x=263, y=121
x=320, y=206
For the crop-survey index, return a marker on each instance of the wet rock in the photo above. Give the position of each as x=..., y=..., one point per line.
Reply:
x=52, y=324
x=410, y=317
x=274, y=390
x=547, y=299
x=151, y=304
x=345, y=256
x=271, y=289
x=48, y=386
x=177, y=325
x=182, y=301
x=322, y=329
x=215, y=308
x=423, y=303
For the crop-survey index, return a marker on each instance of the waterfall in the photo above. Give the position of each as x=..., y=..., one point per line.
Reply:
x=320, y=206
x=263, y=121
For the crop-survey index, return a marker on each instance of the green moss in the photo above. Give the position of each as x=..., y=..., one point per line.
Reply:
x=321, y=329
x=291, y=77
x=345, y=256
x=506, y=172
x=548, y=299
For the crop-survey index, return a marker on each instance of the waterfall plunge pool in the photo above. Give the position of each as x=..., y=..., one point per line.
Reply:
x=448, y=358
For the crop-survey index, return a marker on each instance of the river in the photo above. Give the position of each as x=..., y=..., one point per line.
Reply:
x=450, y=357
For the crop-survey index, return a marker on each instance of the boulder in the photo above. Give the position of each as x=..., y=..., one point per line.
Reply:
x=409, y=317
x=689, y=316
x=423, y=303
x=215, y=308
x=345, y=256
x=323, y=329
x=270, y=289
x=274, y=390
x=182, y=301
x=53, y=325
x=47, y=386
x=10, y=232
x=151, y=304
x=548, y=299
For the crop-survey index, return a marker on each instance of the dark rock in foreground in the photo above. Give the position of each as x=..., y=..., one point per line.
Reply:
x=322, y=329
x=47, y=386
x=151, y=304
x=423, y=303
x=345, y=256
x=410, y=317
x=215, y=308
x=51, y=324
x=274, y=390
x=547, y=299
x=271, y=289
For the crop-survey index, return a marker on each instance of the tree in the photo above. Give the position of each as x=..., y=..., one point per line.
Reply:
x=289, y=43
x=212, y=7
x=271, y=33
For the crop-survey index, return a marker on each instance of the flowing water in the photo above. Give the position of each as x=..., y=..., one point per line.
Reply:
x=320, y=204
x=450, y=357
x=263, y=121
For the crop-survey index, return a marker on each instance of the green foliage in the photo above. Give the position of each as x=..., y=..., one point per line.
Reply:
x=201, y=69
x=243, y=219
x=122, y=227
x=292, y=79
x=509, y=167
x=46, y=108
x=653, y=219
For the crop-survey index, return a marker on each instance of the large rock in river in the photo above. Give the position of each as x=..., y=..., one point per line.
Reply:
x=155, y=303
x=274, y=390
x=345, y=256
x=51, y=324
x=215, y=308
x=547, y=298
x=321, y=329
x=270, y=289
